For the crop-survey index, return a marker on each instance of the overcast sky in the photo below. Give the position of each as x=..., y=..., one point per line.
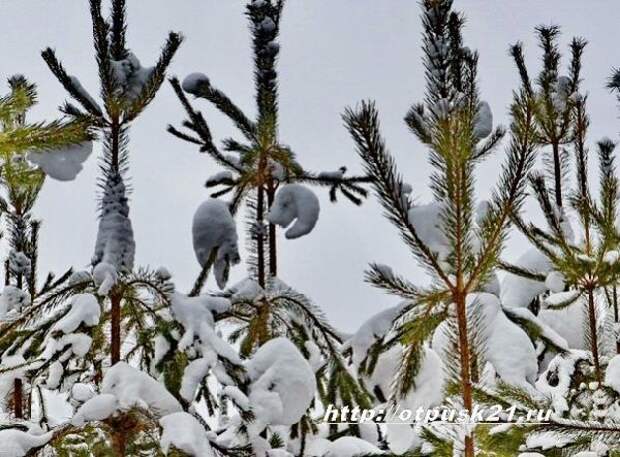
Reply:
x=334, y=53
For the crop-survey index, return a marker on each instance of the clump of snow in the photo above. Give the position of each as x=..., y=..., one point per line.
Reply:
x=130, y=75
x=97, y=408
x=282, y=383
x=350, y=446
x=518, y=292
x=115, y=246
x=222, y=177
x=84, y=308
x=133, y=387
x=483, y=122
x=333, y=175
x=195, y=312
x=519, y=366
x=12, y=301
x=19, y=263
x=17, y=443
x=555, y=380
x=295, y=202
x=427, y=222
x=184, y=432
x=612, y=374
x=62, y=164
x=371, y=330
x=194, y=81
x=555, y=282
x=213, y=227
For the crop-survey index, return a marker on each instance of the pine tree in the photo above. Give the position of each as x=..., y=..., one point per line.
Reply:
x=126, y=89
x=263, y=175
x=461, y=257
x=22, y=182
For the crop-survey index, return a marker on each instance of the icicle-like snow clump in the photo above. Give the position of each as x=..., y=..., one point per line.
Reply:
x=115, y=246
x=62, y=164
x=214, y=227
x=282, y=383
x=295, y=202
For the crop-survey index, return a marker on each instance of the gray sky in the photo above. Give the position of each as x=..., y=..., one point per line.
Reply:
x=334, y=53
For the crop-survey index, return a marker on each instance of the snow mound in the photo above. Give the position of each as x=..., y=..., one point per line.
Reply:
x=132, y=387
x=97, y=408
x=62, y=164
x=184, y=432
x=350, y=446
x=213, y=227
x=282, y=383
x=295, y=202
x=16, y=443
x=19, y=263
x=194, y=312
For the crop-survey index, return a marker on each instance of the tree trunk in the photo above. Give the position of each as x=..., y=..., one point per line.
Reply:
x=615, y=303
x=273, y=253
x=115, y=323
x=260, y=243
x=594, y=336
x=18, y=399
x=557, y=174
x=465, y=361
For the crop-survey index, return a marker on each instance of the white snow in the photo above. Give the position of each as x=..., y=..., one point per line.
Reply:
x=561, y=298
x=115, y=246
x=612, y=374
x=350, y=446
x=62, y=164
x=19, y=263
x=483, y=122
x=12, y=301
x=555, y=282
x=218, y=178
x=518, y=292
x=184, y=432
x=213, y=227
x=371, y=330
x=16, y=443
x=560, y=369
x=133, y=387
x=295, y=202
x=282, y=383
x=519, y=366
x=193, y=82
x=130, y=75
x=97, y=408
x=84, y=308
x=427, y=222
